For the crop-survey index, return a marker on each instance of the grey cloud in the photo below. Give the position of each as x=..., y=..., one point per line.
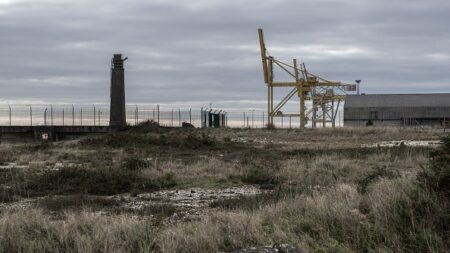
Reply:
x=191, y=51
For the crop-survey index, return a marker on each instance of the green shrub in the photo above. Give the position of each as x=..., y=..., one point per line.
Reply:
x=102, y=181
x=421, y=219
x=373, y=176
x=174, y=139
x=436, y=176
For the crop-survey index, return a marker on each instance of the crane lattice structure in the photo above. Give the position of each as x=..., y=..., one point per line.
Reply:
x=325, y=96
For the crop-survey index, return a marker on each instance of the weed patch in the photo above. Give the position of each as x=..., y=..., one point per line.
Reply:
x=374, y=175
x=174, y=139
x=257, y=175
x=102, y=181
x=74, y=202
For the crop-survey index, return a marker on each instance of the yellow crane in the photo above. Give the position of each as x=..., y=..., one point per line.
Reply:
x=325, y=96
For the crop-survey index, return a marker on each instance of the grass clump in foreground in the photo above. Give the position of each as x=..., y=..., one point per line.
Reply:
x=390, y=215
x=33, y=231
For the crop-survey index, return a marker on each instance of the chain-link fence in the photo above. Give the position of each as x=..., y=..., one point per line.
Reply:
x=98, y=115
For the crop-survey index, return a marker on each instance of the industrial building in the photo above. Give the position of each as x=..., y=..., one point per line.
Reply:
x=397, y=109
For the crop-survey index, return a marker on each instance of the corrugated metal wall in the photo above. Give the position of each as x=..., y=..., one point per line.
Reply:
x=396, y=113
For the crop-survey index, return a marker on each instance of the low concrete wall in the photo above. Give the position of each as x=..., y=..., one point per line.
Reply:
x=52, y=132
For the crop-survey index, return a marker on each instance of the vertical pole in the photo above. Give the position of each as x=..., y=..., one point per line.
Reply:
x=252, y=118
x=94, y=114
x=179, y=117
x=301, y=94
x=324, y=115
x=268, y=104
x=31, y=116
x=270, y=72
x=248, y=125
x=157, y=108
x=171, y=119
x=333, y=119
x=339, y=118
x=201, y=117
x=45, y=117
x=263, y=119
x=81, y=116
x=10, y=115
x=445, y=124
x=73, y=115
x=290, y=121
x=51, y=115
x=63, y=116
x=190, y=115
x=137, y=115
x=98, y=116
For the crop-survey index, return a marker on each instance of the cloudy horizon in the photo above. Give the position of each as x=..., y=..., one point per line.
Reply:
x=201, y=52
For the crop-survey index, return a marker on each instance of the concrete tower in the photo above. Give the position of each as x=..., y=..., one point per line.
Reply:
x=117, y=107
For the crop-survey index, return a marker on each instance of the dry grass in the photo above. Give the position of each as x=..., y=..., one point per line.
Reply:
x=330, y=195
x=33, y=231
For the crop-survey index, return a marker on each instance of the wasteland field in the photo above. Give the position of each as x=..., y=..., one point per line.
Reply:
x=152, y=189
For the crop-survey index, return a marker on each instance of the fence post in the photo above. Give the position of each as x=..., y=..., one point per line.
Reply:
x=94, y=114
x=31, y=116
x=51, y=115
x=73, y=116
x=290, y=121
x=45, y=117
x=201, y=118
x=63, y=116
x=135, y=115
x=263, y=119
x=179, y=116
x=81, y=116
x=190, y=115
x=10, y=120
x=252, y=119
x=157, y=106
x=171, y=119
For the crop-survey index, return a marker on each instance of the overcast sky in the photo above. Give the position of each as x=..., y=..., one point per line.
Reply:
x=196, y=52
